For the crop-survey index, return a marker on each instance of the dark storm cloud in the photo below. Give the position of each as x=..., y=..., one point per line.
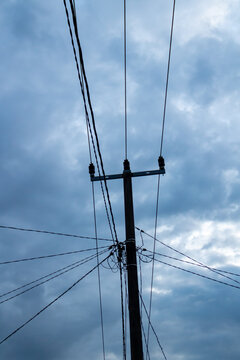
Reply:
x=45, y=183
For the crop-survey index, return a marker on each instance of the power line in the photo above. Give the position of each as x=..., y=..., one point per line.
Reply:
x=51, y=278
x=84, y=80
x=52, y=302
x=49, y=256
x=125, y=74
x=80, y=77
x=226, y=272
x=148, y=316
x=194, y=273
x=41, y=278
x=140, y=291
x=161, y=146
x=221, y=273
x=196, y=264
x=92, y=115
x=145, y=340
x=46, y=276
x=51, y=233
x=98, y=269
x=167, y=78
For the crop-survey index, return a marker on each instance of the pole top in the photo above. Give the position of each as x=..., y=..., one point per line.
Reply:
x=126, y=165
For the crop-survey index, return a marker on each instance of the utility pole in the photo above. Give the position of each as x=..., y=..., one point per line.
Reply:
x=133, y=293
x=133, y=297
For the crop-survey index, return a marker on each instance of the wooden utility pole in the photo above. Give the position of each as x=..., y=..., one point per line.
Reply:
x=133, y=296
x=133, y=293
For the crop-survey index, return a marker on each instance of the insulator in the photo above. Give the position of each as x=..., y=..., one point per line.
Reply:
x=126, y=165
x=161, y=162
x=91, y=169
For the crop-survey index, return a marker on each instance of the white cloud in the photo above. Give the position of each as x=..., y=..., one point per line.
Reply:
x=205, y=20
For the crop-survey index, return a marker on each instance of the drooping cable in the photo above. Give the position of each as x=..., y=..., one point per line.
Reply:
x=98, y=271
x=219, y=272
x=154, y=249
x=140, y=291
x=145, y=339
x=125, y=73
x=148, y=316
x=49, y=256
x=92, y=114
x=52, y=302
x=79, y=263
x=46, y=276
x=51, y=233
x=80, y=77
x=161, y=147
x=83, y=80
x=197, y=264
x=197, y=274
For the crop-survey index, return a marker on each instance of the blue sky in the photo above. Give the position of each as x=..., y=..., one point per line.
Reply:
x=44, y=170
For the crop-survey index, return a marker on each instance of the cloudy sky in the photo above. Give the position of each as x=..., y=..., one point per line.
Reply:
x=45, y=183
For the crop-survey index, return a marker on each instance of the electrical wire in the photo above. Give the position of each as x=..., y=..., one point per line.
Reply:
x=200, y=275
x=82, y=79
x=216, y=271
x=125, y=73
x=98, y=271
x=92, y=114
x=51, y=278
x=52, y=302
x=148, y=316
x=196, y=264
x=167, y=78
x=161, y=146
x=49, y=256
x=51, y=233
x=145, y=339
x=46, y=276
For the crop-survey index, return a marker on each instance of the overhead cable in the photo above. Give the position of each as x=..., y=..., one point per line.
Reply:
x=80, y=77
x=194, y=273
x=216, y=271
x=196, y=264
x=82, y=82
x=145, y=339
x=167, y=78
x=161, y=146
x=49, y=256
x=92, y=115
x=158, y=341
x=52, y=302
x=125, y=72
x=98, y=272
x=51, y=233
x=46, y=276
x=79, y=263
